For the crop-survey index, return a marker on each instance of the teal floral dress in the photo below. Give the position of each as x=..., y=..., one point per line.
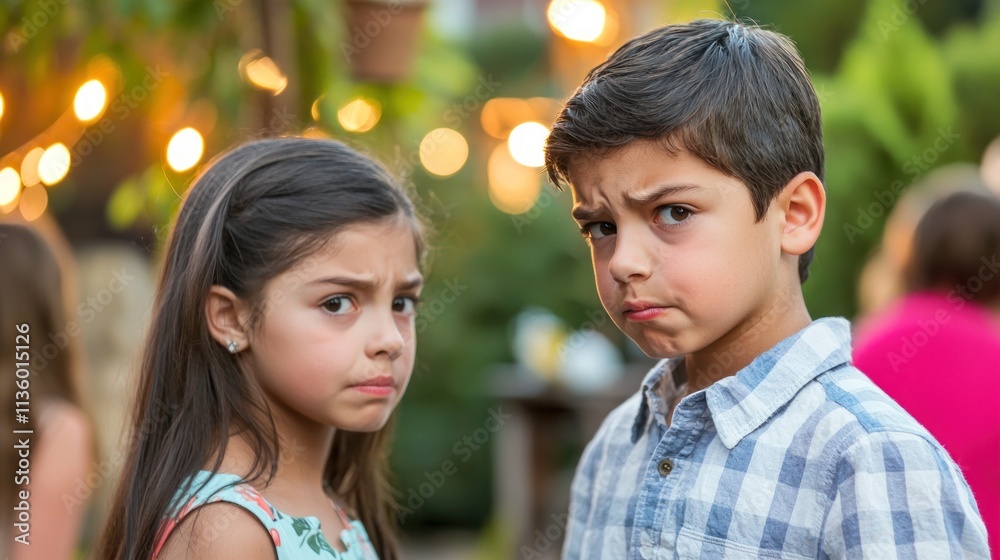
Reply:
x=295, y=538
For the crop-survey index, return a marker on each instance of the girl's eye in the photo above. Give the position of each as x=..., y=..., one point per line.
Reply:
x=404, y=305
x=597, y=230
x=339, y=305
x=672, y=215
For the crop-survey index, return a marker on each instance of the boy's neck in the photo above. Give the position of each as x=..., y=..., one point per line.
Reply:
x=736, y=349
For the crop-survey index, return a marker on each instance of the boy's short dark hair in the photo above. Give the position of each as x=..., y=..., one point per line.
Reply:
x=957, y=241
x=735, y=95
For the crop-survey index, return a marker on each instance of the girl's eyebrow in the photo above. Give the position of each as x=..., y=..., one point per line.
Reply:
x=363, y=284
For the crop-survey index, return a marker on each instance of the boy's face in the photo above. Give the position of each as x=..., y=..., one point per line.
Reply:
x=679, y=259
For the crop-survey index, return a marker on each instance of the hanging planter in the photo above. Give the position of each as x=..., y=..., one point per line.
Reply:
x=382, y=37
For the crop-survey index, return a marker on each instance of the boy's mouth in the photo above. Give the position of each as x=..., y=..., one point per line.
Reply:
x=635, y=310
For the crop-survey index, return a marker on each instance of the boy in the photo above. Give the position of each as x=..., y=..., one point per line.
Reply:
x=695, y=158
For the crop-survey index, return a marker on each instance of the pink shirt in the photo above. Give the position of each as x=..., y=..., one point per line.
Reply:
x=938, y=356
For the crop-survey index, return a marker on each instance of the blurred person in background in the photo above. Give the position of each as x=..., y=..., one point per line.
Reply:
x=883, y=276
x=937, y=350
x=60, y=447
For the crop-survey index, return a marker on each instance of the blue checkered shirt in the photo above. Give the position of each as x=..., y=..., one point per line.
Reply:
x=798, y=455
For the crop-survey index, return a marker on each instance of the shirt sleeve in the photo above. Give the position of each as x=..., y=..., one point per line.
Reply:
x=899, y=495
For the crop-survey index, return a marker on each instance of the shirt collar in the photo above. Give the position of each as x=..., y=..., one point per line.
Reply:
x=741, y=403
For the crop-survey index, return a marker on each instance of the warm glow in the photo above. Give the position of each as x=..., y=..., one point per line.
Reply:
x=359, y=115
x=34, y=201
x=579, y=20
x=1, y=104
x=54, y=164
x=90, y=100
x=185, y=149
x=314, y=110
x=10, y=186
x=262, y=72
x=501, y=114
x=443, y=151
x=513, y=187
x=527, y=143
x=29, y=167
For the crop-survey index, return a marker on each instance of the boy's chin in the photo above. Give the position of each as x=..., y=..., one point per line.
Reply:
x=659, y=346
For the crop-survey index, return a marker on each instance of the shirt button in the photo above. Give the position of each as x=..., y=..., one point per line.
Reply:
x=666, y=466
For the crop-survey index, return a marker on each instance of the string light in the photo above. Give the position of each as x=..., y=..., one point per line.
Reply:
x=90, y=100
x=53, y=165
x=443, y=151
x=527, y=143
x=10, y=187
x=578, y=20
x=360, y=115
x=513, y=188
x=29, y=167
x=185, y=149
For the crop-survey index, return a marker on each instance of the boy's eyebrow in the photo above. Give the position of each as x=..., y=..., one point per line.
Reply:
x=642, y=199
x=362, y=284
x=584, y=214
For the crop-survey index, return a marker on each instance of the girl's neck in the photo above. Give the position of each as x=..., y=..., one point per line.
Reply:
x=302, y=457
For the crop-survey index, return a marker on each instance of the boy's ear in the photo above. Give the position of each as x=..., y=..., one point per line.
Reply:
x=803, y=202
x=224, y=317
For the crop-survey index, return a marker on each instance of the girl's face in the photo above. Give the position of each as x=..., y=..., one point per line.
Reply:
x=335, y=343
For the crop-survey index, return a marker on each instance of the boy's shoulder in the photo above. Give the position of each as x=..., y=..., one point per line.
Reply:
x=836, y=410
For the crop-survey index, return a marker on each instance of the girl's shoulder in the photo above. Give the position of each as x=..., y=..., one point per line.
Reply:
x=292, y=537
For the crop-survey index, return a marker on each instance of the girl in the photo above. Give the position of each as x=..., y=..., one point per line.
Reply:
x=281, y=341
x=51, y=462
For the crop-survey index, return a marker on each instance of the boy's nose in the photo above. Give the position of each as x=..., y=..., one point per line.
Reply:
x=629, y=262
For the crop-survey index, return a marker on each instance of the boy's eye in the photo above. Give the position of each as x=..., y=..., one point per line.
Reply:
x=672, y=215
x=339, y=305
x=404, y=305
x=598, y=230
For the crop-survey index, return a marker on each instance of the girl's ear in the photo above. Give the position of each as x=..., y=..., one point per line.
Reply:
x=224, y=315
x=803, y=202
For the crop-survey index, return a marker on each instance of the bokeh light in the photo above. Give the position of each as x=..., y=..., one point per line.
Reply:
x=360, y=115
x=185, y=149
x=513, y=188
x=263, y=72
x=90, y=100
x=29, y=166
x=34, y=201
x=527, y=143
x=10, y=187
x=578, y=20
x=53, y=165
x=443, y=151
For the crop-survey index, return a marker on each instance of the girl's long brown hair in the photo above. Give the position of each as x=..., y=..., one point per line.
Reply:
x=251, y=215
